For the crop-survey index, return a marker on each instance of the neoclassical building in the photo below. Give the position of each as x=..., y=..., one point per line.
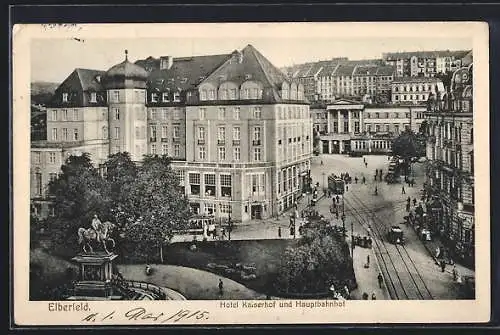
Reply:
x=238, y=130
x=450, y=173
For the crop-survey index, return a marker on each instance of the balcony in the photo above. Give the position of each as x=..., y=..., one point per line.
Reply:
x=164, y=139
x=152, y=139
x=236, y=142
x=221, y=142
x=201, y=142
x=176, y=139
x=256, y=142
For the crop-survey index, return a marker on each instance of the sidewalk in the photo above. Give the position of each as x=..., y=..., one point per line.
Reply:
x=366, y=278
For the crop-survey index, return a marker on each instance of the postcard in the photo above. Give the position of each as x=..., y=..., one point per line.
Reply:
x=250, y=173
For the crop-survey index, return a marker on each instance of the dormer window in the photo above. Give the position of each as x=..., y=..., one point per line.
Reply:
x=93, y=97
x=203, y=95
x=154, y=97
x=65, y=97
x=211, y=95
x=177, y=97
x=164, y=97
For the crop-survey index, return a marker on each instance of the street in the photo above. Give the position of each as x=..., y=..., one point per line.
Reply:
x=409, y=271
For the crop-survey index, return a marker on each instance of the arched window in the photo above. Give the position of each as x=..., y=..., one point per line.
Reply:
x=285, y=89
x=293, y=91
x=251, y=90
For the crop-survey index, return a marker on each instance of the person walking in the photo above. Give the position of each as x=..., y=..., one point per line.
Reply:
x=374, y=297
x=279, y=232
x=403, y=190
x=221, y=287
x=347, y=187
x=367, y=261
x=366, y=164
x=414, y=202
x=376, y=190
x=380, y=280
x=364, y=180
x=356, y=180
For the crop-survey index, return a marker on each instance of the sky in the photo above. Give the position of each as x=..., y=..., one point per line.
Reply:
x=53, y=59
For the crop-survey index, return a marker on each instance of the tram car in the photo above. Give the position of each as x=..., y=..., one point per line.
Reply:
x=395, y=235
x=336, y=185
x=197, y=225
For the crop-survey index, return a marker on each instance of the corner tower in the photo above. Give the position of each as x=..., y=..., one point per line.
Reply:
x=125, y=84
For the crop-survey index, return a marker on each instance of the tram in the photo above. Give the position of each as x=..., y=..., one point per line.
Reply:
x=197, y=225
x=395, y=235
x=336, y=185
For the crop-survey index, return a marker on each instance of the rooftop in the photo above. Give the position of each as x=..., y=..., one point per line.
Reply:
x=426, y=54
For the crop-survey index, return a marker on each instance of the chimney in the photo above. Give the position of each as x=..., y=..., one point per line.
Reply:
x=166, y=62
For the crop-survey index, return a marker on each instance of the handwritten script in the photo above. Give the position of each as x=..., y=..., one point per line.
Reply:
x=141, y=314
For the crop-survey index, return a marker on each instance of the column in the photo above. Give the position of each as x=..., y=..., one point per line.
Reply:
x=339, y=127
x=328, y=122
x=329, y=146
x=349, y=115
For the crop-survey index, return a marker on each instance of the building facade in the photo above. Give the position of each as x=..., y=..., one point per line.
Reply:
x=427, y=63
x=238, y=130
x=346, y=125
x=415, y=90
x=450, y=173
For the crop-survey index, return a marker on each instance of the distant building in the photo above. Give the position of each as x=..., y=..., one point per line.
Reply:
x=415, y=90
x=427, y=63
x=352, y=126
x=450, y=174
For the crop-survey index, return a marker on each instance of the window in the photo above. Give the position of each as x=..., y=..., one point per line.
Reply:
x=65, y=97
x=202, y=113
x=202, y=154
x=221, y=134
x=256, y=134
x=152, y=131
x=176, y=132
x=117, y=132
x=153, y=149
x=75, y=134
x=232, y=94
x=257, y=113
x=93, y=97
x=377, y=115
x=225, y=185
x=164, y=149
x=116, y=112
x=356, y=126
x=64, y=115
x=386, y=115
x=236, y=133
x=194, y=183
x=54, y=134
x=210, y=184
x=222, y=113
x=222, y=153
x=236, y=154
x=37, y=157
x=116, y=96
x=396, y=128
x=38, y=183
x=164, y=97
x=223, y=94
x=75, y=114
x=201, y=133
x=211, y=95
x=65, y=134
x=257, y=183
x=137, y=132
x=154, y=97
x=52, y=157
x=177, y=97
x=177, y=150
x=387, y=129
x=407, y=115
x=377, y=128
x=53, y=115
x=164, y=113
x=257, y=154
x=236, y=113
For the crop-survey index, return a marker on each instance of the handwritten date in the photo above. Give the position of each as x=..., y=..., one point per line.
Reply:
x=141, y=314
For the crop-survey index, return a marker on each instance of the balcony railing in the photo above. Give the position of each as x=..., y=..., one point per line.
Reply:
x=221, y=142
x=176, y=139
x=201, y=141
x=164, y=139
x=152, y=139
x=256, y=142
x=236, y=142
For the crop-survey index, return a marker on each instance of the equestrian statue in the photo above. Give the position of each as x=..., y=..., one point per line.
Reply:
x=99, y=233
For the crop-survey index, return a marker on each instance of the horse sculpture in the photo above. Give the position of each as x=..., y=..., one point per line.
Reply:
x=87, y=235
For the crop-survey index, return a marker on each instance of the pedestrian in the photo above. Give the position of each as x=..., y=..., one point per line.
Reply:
x=364, y=179
x=321, y=162
x=221, y=287
x=356, y=180
x=376, y=190
x=403, y=190
x=337, y=198
x=407, y=207
x=365, y=296
x=374, y=297
x=366, y=164
x=455, y=274
x=380, y=280
x=375, y=177
x=279, y=232
x=368, y=261
x=347, y=188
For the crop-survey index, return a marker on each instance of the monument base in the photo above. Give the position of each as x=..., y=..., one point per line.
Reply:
x=96, y=271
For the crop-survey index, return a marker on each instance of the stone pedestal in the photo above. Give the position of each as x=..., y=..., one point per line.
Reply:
x=96, y=270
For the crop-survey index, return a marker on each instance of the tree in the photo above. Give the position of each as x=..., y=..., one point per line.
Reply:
x=155, y=206
x=408, y=145
x=78, y=192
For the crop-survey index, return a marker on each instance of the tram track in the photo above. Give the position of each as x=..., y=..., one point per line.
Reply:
x=402, y=276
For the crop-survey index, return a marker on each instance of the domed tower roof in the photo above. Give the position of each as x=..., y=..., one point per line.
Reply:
x=126, y=75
